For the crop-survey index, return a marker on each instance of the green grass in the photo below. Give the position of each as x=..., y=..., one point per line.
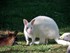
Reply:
x=22, y=48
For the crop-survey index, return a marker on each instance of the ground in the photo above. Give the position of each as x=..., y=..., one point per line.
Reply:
x=22, y=48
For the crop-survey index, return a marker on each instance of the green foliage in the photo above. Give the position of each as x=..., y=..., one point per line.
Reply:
x=12, y=12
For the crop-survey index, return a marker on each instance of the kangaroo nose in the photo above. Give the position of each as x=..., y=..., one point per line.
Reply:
x=29, y=31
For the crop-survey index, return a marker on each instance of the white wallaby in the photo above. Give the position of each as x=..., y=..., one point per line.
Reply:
x=43, y=27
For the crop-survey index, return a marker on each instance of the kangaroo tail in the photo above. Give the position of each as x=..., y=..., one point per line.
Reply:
x=62, y=42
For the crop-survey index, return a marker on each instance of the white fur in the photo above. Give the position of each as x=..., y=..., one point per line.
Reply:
x=68, y=49
x=65, y=36
x=43, y=27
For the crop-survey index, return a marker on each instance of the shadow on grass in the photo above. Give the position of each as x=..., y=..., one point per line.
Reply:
x=20, y=38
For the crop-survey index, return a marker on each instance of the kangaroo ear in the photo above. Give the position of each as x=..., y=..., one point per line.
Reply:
x=32, y=22
x=25, y=21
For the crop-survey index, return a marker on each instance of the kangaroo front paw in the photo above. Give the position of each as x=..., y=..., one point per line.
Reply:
x=27, y=44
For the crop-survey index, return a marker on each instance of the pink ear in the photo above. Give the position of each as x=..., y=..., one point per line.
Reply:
x=25, y=21
x=32, y=22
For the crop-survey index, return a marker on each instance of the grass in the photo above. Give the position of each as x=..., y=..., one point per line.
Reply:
x=22, y=48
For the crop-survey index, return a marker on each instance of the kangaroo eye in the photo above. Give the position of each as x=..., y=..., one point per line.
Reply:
x=27, y=27
x=67, y=35
x=31, y=27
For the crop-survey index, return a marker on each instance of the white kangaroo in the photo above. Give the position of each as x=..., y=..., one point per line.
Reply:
x=43, y=27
